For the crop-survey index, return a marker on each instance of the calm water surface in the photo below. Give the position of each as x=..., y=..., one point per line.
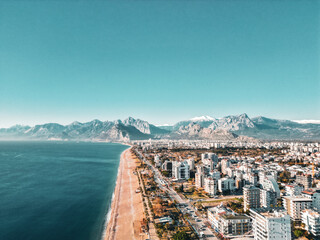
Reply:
x=56, y=190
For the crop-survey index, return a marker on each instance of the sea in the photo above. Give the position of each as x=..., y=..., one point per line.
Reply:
x=56, y=190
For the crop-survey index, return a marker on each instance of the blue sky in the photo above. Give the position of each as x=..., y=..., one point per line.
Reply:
x=161, y=61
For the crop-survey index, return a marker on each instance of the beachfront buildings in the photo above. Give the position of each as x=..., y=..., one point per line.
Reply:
x=270, y=225
x=251, y=197
x=234, y=224
x=311, y=221
x=295, y=205
x=227, y=223
x=180, y=170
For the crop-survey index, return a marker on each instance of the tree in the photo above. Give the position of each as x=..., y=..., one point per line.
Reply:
x=298, y=233
x=181, y=189
x=181, y=235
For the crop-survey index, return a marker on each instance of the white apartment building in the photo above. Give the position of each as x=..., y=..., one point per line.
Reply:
x=157, y=161
x=314, y=195
x=211, y=156
x=180, y=170
x=225, y=163
x=295, y=205
x=210, y=186
x=311, y=220
x=226, y=222
x=199, y=180
x=214, y=213
x=191, y=163
x=293, y=190
x=271, y=225
x=268, y=198
x=215, y=174
x=199, y=177
x=226, y=184
x=270, y=184
x=252, y=178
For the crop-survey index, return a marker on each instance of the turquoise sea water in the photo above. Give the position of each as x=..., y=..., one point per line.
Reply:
x=56, y=190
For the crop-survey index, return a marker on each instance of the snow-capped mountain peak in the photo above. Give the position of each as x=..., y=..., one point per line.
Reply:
x=202, y=119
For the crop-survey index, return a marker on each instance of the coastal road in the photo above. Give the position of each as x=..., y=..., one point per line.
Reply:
x=198, y=223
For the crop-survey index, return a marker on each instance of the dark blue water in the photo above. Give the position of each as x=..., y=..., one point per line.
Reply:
x=56, y=190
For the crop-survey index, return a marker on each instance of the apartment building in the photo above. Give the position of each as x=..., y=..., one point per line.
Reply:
x=294, y=190
x=311, y=220
x=271, y=225
x=295, y=205
x=210, y=186
x=251, y=197
x=180, y=170
x=305, y=180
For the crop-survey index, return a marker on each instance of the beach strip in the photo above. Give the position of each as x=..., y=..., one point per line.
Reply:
x=127, y=206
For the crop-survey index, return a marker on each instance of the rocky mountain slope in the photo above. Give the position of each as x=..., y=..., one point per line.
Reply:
x=258, y=127
x=226, y=128
x=118, y=130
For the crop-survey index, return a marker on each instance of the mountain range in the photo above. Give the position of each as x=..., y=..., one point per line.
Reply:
x=235, y=127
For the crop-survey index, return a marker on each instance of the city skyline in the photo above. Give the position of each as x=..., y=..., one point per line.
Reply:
x=158, y=61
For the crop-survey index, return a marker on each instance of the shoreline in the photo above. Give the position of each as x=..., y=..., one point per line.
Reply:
x=112, y=208
x=126, y=209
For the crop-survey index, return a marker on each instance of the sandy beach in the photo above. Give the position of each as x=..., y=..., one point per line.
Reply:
x=127, y=207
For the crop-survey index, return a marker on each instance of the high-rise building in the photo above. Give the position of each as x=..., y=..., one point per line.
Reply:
x=269, y=225
x=180, y=170
x=270, y=184
x=191, y=163
x=305, y=180
x=225, y=163
x=295, y=205
x=268, y=198
x=210, y=186
x=167, y=166
x=210, y=160
x=199, y=180
x=294, y=190
x=226, y=184
x=251, y=197
x=199, y=177
x=314, y=195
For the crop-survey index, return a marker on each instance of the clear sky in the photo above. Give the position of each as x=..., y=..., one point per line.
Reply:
x=161, y=61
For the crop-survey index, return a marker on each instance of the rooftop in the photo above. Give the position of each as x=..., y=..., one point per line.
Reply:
x=298, y=198
x=229, y=216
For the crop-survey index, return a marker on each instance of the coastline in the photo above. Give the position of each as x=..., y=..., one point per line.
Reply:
x=126, y=209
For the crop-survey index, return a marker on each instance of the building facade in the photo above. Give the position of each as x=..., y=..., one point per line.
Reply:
x=269, y=225
x=295, y=205
x=251, y=197
x=311, y=221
